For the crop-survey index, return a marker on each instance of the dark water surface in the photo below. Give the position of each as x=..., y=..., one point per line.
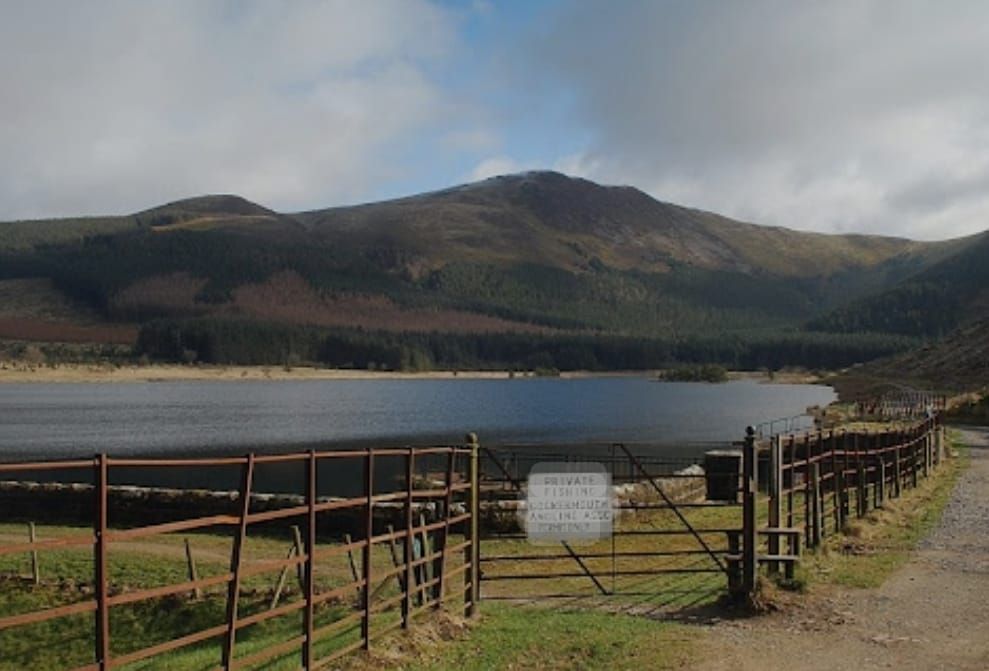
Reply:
x=158, y=418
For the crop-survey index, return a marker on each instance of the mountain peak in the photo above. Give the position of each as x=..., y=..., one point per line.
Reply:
x=209, y=205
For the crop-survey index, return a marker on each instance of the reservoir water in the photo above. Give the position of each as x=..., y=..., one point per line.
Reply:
x=39, y=421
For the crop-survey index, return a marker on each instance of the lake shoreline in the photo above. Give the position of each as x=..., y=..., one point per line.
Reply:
x=96, y=373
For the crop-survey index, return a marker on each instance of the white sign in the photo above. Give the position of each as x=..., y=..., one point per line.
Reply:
x=568, y=501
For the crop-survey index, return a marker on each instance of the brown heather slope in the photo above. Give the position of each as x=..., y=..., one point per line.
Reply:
x=32, y=309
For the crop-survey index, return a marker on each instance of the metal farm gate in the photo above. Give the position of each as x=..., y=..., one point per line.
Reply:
x=671, y=546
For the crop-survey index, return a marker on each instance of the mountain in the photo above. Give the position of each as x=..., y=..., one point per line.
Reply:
x=932, y=302
x=550, y=219
x=520, y=269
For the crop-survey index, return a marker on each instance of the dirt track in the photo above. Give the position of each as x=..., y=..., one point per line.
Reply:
x=931, y=614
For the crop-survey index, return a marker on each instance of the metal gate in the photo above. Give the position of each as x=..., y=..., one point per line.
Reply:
x=670, y=547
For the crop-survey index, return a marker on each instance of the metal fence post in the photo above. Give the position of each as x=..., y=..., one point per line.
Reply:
x=472, y=576
x=407, y=553
x=236, y=552
x=440, y=564
x=310, y=566
x=368, y=535
x=100, y=564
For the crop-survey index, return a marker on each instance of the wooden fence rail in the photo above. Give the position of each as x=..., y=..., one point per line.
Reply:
x=817, y=481
x=452, y=504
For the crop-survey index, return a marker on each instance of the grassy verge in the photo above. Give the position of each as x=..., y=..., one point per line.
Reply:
x=585, y=631
x=509, y=637
x=66, y=574
x=872, y=548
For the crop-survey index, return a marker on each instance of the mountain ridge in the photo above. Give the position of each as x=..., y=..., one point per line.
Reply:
x=537, y=254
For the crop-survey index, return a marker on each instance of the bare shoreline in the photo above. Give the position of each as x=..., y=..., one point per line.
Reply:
x=80, y=373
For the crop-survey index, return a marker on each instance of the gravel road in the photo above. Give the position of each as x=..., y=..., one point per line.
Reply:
x=932, y=614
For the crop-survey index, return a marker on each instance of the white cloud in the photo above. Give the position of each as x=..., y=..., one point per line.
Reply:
x=813, y=115
x=498, y=165
x=117, y=106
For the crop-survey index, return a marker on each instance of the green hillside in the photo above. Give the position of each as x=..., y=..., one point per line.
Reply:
x=930, y=303
x=959, y=362
x=522, y=270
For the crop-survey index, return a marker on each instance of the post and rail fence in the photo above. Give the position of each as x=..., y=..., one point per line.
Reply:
x=817, y=481
x=417, y=520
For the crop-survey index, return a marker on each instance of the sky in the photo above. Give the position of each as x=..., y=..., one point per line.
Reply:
x=867, y=116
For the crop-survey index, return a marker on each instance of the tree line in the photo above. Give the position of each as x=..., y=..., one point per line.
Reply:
x=250, y=342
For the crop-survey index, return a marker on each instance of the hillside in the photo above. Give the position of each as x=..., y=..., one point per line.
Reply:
x=551, y=219
x=956, y=363
x=535, y=268
x=932, y=302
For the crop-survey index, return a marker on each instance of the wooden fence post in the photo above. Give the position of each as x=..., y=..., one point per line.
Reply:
x=839, y=500
x=833, y=481
x=846, y=496
x=750, y=557
x=914, y=461
x=939, y=444
x=808, y=492
x=817, y=504
x=425, y=569
x=790, y=481
x=897, y=481
x=300, y=551
x=354, y=573
x=862, y=482
x=775, y=490
x=35, y=567
x=862, y=495
x=881, y=482
x=197, y=593
x=282, y=578
x=928, y=449
x=393, y=549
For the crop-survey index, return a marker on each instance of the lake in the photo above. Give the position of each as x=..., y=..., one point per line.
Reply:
x=158, y=418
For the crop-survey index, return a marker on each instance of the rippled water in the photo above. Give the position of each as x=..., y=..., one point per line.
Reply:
x=46, y=420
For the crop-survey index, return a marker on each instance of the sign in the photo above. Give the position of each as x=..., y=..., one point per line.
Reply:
x=568, y=501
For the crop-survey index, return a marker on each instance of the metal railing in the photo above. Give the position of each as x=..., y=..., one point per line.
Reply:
x=454, y=508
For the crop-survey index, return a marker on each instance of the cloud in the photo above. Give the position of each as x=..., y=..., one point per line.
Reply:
x=850, y=115
x=498, y=165
x=810, y=115
x=117, y=106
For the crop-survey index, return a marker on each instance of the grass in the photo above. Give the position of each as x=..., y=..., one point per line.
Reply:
x=509, y=637
x=872, y=548
x=67, y=578
x=160, y=560
x=586, y=630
